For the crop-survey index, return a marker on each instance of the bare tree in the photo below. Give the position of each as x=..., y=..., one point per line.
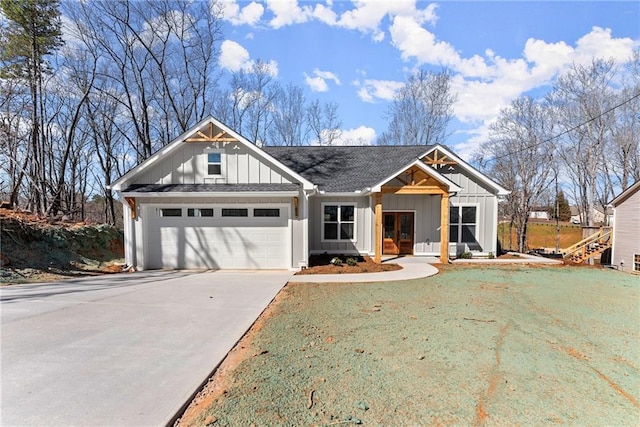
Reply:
x=421, y=110
x=289, y=126
x=583, y=101
x=519, y=155
x=324, y=122
x=159, y=58
x=14, y=130
x=625, y=141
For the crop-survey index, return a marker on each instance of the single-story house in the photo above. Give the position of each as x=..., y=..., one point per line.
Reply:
x=539, y=212
x=625, y=251
x=212, y=199
x=600, y=216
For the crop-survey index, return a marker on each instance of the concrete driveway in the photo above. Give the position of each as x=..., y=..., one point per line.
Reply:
x=125, y=349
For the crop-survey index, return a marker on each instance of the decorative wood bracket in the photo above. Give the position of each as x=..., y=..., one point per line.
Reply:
x=295, y=207
x=442, y=159
x=415, y=181
x=131, y=201
x=208, y=135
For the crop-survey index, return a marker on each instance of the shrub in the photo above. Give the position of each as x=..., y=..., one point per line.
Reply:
x=352, y=262
x=336, y=261
x=465, y=255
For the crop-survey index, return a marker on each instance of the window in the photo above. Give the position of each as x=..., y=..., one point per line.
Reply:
x=636, y=262
x=199, y=212
x=338, y=222
x=214, y=163
x=170, y=212
x=266, y=212
x=462, y=224
x=235, y=212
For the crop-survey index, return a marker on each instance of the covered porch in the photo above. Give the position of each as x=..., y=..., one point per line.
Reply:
x=404, y=204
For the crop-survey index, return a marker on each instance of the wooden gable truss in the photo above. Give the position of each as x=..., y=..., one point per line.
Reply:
x=414, y=181
x=210, y=133
x=438, y=159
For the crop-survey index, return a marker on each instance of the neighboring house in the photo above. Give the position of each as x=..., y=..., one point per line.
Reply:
x=212, y=199
x=600, y=216
x=626, y=229
x=539, y=212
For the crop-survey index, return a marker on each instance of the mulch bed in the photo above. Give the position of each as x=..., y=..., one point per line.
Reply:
x=321, y=264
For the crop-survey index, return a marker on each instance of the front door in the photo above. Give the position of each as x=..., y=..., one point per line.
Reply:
x=397, y=235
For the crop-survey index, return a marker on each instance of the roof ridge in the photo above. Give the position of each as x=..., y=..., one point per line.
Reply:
x=346, y=146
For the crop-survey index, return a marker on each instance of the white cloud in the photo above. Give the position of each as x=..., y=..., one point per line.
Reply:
x=234, y=57
x=362, y=135
x=248, y=15
x=599, y=43
x=485, y=84
x=368, y=15
x=371, y=89
x=317, y=84
x=415, y=42
x=287, y=12
x=318, y=81
x=325, y=14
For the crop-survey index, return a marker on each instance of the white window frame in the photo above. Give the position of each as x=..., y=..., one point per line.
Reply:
x=459, y=224
x=355, y=221
x=198, y=212
x=223, y=168
x=235, y=208
x=160, y=209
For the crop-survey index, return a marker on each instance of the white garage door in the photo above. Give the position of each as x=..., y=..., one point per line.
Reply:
x=214, y=237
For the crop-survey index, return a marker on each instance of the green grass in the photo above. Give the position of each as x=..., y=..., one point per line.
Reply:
x=540, y=235
x=497, y=345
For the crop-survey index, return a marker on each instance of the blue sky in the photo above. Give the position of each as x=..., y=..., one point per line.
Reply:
x=358, y=53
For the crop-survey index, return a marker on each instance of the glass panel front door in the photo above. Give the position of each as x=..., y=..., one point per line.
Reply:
x=397, y=234
x=389, y=235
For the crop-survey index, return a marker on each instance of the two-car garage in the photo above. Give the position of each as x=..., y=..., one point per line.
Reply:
x=225, y=236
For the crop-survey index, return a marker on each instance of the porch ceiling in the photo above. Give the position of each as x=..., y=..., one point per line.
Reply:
x=414, y=180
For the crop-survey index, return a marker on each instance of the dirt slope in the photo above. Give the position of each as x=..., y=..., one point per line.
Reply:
x=34, y=249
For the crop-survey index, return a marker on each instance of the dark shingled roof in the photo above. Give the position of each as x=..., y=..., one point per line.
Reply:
x=209, y=188
x=346, y=169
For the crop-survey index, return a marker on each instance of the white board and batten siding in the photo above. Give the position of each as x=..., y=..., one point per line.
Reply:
x=214, y=242
x=188, y=165
x=626, y=232
x=426, y=229
x=474, y=193
x=363, y=226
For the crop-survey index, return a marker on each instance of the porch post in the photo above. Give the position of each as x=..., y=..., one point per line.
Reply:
x=378, y=245
x=444, y=228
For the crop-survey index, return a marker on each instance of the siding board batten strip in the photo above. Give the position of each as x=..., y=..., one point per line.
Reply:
x=444, y=229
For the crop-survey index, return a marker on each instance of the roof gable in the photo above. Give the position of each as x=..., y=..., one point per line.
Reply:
x=208, y=130
x=626, y=194
x=420, y=165
x=500, y=191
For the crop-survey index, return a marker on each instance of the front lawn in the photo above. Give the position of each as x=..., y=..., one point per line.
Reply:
x=497, y=345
